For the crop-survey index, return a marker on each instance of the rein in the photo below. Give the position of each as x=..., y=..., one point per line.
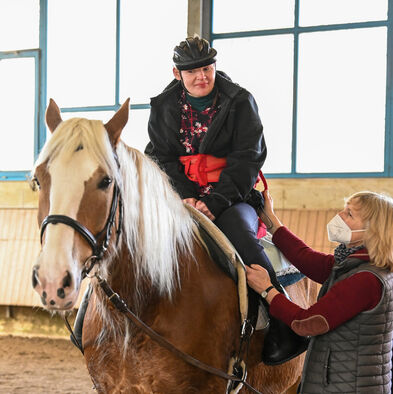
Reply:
x=121, y=306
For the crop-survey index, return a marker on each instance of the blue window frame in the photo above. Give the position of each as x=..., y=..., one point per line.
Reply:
x=287, y=42
x=38, y=133
x=27, y=66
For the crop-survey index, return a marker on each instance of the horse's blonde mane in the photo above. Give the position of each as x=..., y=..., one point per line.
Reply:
x=157, y=227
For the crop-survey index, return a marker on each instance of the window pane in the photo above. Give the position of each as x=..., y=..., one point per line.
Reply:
x=341, y=106
x=19, y=24
x=324, y=12
x=150, y=30
x=134, y=134
x=81, y=52
x=17, y=103
x=235, y=15
x=97, y=115
x=264, y=66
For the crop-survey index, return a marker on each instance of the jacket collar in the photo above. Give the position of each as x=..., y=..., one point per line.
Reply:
x=352, y=261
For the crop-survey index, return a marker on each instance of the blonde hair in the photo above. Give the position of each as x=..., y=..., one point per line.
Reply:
x=376, y=211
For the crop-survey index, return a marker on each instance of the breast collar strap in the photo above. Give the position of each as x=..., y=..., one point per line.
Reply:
x=98, y=250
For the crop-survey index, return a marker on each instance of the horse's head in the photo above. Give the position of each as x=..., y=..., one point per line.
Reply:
x=77, y=175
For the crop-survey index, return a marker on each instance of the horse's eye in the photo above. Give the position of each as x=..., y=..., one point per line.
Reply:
x=34, y=184
x=104, y=183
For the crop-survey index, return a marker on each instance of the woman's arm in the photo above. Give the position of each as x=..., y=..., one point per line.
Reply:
x=342, y=302
x=345, y=300
x=315, y=265
x=160, y=149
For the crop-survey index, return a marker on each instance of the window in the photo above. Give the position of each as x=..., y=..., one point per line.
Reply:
x=318, y=71
x=46, y=50
x=126, y=52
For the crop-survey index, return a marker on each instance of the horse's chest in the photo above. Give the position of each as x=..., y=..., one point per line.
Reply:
x=153, y=370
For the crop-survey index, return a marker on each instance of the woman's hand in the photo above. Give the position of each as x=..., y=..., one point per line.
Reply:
x=268, y=216
x=202, y=207
x=190, y=201
x=258, y=278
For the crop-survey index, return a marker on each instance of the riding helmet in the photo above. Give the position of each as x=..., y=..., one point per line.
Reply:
x=194, y=52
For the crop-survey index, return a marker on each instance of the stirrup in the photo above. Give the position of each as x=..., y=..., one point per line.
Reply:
x=238, y=369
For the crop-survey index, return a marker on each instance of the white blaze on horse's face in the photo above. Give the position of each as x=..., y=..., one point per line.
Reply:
x=67, y=183
x=59, y=274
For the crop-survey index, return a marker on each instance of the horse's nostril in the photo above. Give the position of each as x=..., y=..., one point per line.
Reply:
x=44, y=295
x=67, y=280
x=61, y=293
x=35, y=277
x=43, y=300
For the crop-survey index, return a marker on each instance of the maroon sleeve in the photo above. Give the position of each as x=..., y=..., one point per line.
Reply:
x=346, y=299
x=316, y=265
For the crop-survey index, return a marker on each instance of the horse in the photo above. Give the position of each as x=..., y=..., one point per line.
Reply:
x=90, y=183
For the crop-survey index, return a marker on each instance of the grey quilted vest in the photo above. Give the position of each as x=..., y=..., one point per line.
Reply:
x=356, y=356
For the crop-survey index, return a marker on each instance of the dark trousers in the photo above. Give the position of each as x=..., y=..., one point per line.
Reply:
x=240, y=224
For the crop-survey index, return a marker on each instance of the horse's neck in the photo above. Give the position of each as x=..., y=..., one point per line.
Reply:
x=136, y=292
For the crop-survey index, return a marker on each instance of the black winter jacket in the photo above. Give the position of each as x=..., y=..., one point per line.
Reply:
x=236, y=133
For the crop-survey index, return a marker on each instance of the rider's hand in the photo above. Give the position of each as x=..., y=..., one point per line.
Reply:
x=190, y=201
x=202, y=207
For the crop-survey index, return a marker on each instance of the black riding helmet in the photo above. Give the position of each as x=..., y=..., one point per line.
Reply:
x=194, y=52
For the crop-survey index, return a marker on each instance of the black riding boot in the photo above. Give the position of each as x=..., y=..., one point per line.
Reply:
x=281, y=344
x=76, y=339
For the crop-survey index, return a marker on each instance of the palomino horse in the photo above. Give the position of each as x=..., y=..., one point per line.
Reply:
x=153, y=260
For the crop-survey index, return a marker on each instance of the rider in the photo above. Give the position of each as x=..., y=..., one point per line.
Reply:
x=206, y=134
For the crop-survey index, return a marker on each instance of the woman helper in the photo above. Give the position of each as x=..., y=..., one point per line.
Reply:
x=351, y=324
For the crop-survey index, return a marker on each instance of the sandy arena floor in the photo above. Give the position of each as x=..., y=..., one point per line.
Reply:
x=42, y=365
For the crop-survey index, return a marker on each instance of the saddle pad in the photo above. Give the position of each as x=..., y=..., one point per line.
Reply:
x=209, y=234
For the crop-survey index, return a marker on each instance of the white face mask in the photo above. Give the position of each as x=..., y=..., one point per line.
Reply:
x=339, y=231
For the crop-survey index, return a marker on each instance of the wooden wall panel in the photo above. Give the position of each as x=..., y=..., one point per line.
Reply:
x=19, y=247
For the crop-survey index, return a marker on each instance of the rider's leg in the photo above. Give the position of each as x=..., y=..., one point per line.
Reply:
x=240, y=224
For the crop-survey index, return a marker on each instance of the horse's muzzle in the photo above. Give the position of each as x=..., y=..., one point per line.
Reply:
x=56, y=294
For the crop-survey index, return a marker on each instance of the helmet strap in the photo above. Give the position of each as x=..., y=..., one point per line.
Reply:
x=182, y=83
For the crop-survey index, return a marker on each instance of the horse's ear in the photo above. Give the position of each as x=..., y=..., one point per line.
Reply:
x=52, y=115
x=116, y=125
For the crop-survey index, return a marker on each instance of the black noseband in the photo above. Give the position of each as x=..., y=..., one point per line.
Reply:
x=80, y=228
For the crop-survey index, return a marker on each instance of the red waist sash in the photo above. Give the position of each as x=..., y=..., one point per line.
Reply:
x=203, y=169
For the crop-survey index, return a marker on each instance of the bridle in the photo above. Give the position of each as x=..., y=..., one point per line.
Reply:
x=98, y=249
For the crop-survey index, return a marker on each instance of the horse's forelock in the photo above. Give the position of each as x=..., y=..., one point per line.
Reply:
x=75, y=133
